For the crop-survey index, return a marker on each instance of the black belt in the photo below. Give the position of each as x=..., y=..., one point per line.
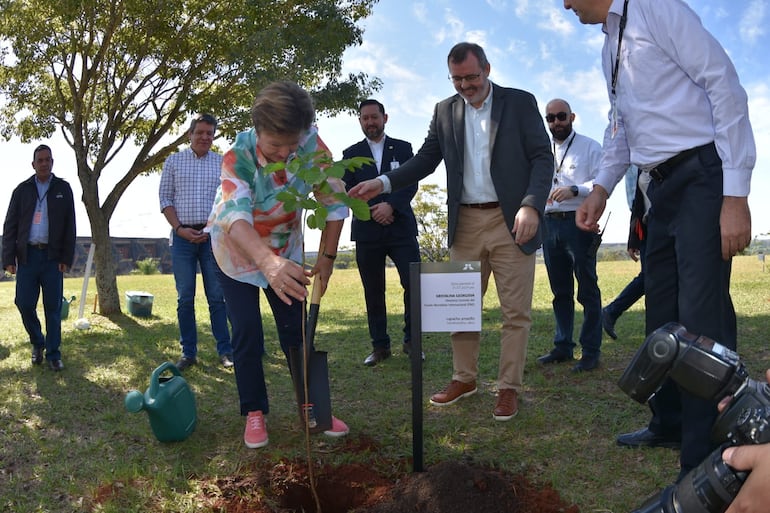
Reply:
x=38, y=245
x=661, y=171
x=482, y=206
x=561, y=215
x=197, y=227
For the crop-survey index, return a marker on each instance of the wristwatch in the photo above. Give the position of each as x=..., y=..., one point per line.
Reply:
x=574, y=190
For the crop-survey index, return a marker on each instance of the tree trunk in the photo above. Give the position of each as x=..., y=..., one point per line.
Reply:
x=104, y=262
x=106, y=280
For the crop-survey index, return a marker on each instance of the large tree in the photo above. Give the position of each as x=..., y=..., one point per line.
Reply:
x=120, y=78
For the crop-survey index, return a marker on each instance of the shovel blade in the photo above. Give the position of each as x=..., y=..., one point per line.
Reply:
x=317, y=407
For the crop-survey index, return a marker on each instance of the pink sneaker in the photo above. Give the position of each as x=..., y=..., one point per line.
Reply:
x=255, y=435
x=338, y=429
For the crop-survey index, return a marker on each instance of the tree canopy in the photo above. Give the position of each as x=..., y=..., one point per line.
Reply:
x=121, y=78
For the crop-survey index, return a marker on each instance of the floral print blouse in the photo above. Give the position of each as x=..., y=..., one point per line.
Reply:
x=246, y=192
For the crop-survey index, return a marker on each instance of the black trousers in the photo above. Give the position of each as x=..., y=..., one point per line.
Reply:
x=687, y=281
x=370, y=258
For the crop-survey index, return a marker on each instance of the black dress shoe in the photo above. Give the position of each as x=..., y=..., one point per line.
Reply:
x=37, y=355
x=555, y=356
x=56, y=365
x=646, y=438
x=608, y=323
x=408, y=350
x=586, y=363
x=185, y=363
x=226, y=360
x=376, y=356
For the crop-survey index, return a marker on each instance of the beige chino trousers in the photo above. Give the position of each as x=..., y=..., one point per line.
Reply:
x=481, y=234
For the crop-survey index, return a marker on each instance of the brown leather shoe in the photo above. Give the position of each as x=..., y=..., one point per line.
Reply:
x=507, y=404
x=453, y=392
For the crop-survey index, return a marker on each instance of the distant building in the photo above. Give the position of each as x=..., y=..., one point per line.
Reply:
x=126, y=252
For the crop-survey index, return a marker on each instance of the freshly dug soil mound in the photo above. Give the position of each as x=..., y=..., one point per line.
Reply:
x=447, y=487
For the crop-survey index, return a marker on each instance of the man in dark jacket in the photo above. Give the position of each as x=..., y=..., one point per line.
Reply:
x=39, y=247
x=499, y=167
x=391, y=232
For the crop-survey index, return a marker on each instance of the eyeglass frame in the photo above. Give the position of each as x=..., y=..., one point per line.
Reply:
x=561, y=116
x=467, y=78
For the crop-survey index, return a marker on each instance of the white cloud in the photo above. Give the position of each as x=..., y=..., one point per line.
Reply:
x=480, y=38
x=752, y=25
x=499, y=5
x=556, y=21
x=420, y=12
x=452, y=30
x=521, y=8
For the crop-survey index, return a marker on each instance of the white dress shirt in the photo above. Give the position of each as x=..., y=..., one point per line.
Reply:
x=676, y=89
x=377, y=149
x=576, y=162
x=477, y=180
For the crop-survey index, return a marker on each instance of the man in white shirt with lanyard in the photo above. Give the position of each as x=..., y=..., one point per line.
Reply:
x=678, y=112
x=567, y=249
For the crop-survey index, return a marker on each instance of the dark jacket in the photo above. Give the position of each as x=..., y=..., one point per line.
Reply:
x=61, y=222
x=404, y=223
x=521, y=158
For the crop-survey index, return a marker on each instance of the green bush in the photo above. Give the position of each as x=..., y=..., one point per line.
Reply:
x=146, y=266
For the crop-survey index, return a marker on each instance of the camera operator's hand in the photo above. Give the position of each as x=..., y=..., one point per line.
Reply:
x=755, y=492
x=754, y=495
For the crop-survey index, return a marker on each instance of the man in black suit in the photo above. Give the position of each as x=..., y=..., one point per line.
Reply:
x=392, y=230
x=499, y=165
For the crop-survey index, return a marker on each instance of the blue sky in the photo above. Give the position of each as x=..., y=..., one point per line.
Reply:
x=534, y=45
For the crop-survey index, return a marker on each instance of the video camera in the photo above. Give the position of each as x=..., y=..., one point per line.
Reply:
x=710, y=371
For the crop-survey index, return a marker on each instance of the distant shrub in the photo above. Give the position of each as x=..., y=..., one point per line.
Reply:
x=146, y=266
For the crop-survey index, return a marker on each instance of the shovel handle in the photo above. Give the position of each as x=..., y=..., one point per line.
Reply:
x=315, y=295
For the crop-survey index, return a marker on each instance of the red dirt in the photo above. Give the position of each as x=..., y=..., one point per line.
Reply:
x=447, y=487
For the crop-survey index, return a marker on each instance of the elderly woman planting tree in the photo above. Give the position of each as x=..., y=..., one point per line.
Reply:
x=256, y=231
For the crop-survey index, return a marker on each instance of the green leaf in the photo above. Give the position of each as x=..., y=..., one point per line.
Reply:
x=273, y=167
x=360, y=209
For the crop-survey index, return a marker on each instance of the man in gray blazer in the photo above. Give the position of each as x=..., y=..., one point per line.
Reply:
x=499, y=165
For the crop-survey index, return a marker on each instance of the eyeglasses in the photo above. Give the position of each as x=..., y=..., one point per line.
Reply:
x=561, y=116
x=466, y=78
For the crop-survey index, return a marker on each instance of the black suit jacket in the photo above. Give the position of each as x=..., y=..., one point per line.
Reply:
x=521, y=156
x=404, y=224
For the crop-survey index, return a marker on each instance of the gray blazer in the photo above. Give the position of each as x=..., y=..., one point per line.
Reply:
x=521, y=160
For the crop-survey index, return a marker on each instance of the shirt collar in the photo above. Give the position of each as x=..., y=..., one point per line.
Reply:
x=616, y=9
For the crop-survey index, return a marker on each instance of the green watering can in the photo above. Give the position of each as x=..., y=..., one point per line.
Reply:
x=169, y=403
x=65, y=306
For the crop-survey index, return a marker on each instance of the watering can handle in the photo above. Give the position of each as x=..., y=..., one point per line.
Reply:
x=155, y=378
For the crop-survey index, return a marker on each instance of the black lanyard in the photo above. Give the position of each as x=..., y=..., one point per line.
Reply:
x=615, y=70
x=39, y=199
x=565, y=152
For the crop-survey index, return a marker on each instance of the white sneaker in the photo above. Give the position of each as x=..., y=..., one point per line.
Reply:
x=255, y=435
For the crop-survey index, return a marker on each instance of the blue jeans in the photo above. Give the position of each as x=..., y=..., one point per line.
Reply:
x=632, y=292
x=569, y=250
x=185, y=258
x=249, y=338
x=40, y=273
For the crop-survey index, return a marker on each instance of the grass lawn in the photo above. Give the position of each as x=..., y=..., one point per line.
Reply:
x=67, y=443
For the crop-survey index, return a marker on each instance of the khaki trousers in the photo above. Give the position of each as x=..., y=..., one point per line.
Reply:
x=483, y=235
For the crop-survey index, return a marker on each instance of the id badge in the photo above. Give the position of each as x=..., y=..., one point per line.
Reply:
x=38, y=217
x=614, y=119
x=394, y=165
